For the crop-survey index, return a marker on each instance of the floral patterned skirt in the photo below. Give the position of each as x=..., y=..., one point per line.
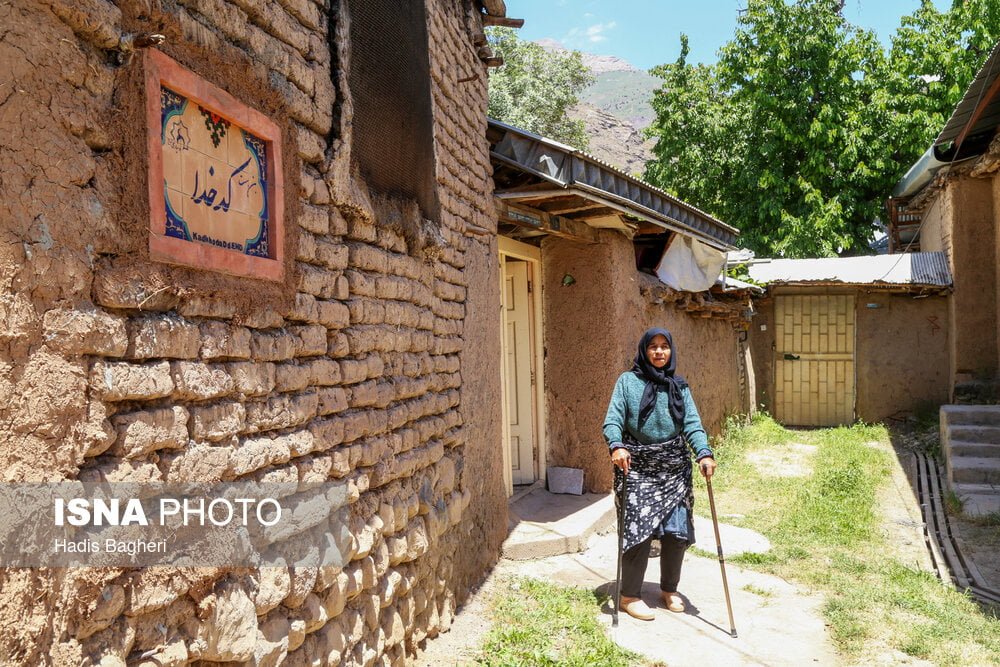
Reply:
x=659, y=479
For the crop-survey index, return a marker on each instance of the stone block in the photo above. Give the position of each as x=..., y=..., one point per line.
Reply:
x=198, y=381
x=217, y=422
x=163, y=336
x=220, y=340
x=251, y=378
x=120, y=381
x=96, y=332
x=145, y=431
x=565, y=480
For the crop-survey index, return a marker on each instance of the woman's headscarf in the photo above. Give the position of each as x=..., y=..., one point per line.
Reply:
x=659, y=379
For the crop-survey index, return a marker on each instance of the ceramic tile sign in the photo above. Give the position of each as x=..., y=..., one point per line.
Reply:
x=215, y=191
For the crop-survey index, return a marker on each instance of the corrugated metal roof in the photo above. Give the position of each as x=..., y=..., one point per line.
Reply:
x=990, y=116
x=916, y=268
x=569, y=168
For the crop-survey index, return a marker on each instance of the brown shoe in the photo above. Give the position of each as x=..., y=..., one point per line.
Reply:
x=636, y=608
x=673, y=601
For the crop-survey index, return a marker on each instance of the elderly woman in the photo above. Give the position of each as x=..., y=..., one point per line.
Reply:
x=651, y=422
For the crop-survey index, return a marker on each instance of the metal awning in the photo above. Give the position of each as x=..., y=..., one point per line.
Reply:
x=579, y=186
x=979, y=110
x=916, y=269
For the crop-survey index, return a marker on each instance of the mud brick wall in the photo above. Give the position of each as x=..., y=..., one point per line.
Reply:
x=374, y=365
x=592, y=329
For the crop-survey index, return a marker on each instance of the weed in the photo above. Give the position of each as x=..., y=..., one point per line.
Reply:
x=825, y=532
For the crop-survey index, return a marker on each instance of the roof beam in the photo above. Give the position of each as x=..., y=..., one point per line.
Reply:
x=541, y=221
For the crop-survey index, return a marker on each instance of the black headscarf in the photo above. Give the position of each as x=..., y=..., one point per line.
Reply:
x=659, y=379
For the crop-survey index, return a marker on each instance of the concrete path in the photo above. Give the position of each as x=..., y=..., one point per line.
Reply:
x=776, y=624
x=571, y=540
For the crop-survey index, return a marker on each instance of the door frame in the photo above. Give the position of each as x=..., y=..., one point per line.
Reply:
x=533, y=256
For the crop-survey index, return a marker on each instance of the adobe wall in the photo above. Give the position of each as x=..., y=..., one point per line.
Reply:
x=901, y=352
x=592, y=328
x=352, y=370
x=935, y=233
x=762, y=345
x=587, y=339
x=973, y=307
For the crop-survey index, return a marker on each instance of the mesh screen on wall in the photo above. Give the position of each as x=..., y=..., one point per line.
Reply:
x=392, y=139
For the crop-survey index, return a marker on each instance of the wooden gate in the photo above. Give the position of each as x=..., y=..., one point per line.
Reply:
x=814, y=359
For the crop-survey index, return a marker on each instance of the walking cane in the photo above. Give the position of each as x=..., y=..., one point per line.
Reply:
x=722, y=559
x=618, y=568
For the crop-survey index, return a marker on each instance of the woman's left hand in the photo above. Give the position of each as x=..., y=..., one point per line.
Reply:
x=707, y=466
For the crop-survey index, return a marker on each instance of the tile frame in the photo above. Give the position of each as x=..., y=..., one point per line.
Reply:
x=161, y=69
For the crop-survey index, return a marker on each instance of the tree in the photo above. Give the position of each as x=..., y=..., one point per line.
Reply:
x=535, y=88
x=788, y=130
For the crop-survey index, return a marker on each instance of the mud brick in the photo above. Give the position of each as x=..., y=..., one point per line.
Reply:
x=200, y=381
x=85, y=332
x=217, y=422
x=310, y=341
x=145, y=431
x=120, y=381
x=251, y=378
x=163, y=336
x=331, y=400
x=221, y=340
x=272, y=346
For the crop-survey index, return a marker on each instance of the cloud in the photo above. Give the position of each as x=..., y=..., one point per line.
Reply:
x=593, y=34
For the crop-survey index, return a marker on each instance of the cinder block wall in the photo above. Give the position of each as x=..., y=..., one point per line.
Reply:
x=371, y=365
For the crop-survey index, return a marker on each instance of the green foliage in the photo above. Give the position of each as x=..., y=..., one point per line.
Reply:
x=537, y=623
x=535, y=88
x=800, y=131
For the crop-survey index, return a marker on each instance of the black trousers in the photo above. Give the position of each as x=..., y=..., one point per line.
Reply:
x=634, y=563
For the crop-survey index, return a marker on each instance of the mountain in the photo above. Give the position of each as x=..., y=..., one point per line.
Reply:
x=615, y=109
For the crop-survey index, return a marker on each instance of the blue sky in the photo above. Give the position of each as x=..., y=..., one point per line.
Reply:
x=647, y=32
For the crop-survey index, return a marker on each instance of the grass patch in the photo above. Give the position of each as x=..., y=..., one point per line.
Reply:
x=539, y=623
x=825, y=533
x=757, y=590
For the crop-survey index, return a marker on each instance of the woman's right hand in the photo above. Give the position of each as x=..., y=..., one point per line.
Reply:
x=621, y=458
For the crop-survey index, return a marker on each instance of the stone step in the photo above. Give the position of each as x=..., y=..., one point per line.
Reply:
x=974, y=433
x=981, y=415
x=986, y=450
x=978, y=499
x=974, y=470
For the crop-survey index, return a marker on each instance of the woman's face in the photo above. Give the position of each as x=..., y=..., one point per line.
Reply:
x=658, y=351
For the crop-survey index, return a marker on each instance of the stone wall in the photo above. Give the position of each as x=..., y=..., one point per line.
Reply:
x=592, y=328
x=116, y=368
